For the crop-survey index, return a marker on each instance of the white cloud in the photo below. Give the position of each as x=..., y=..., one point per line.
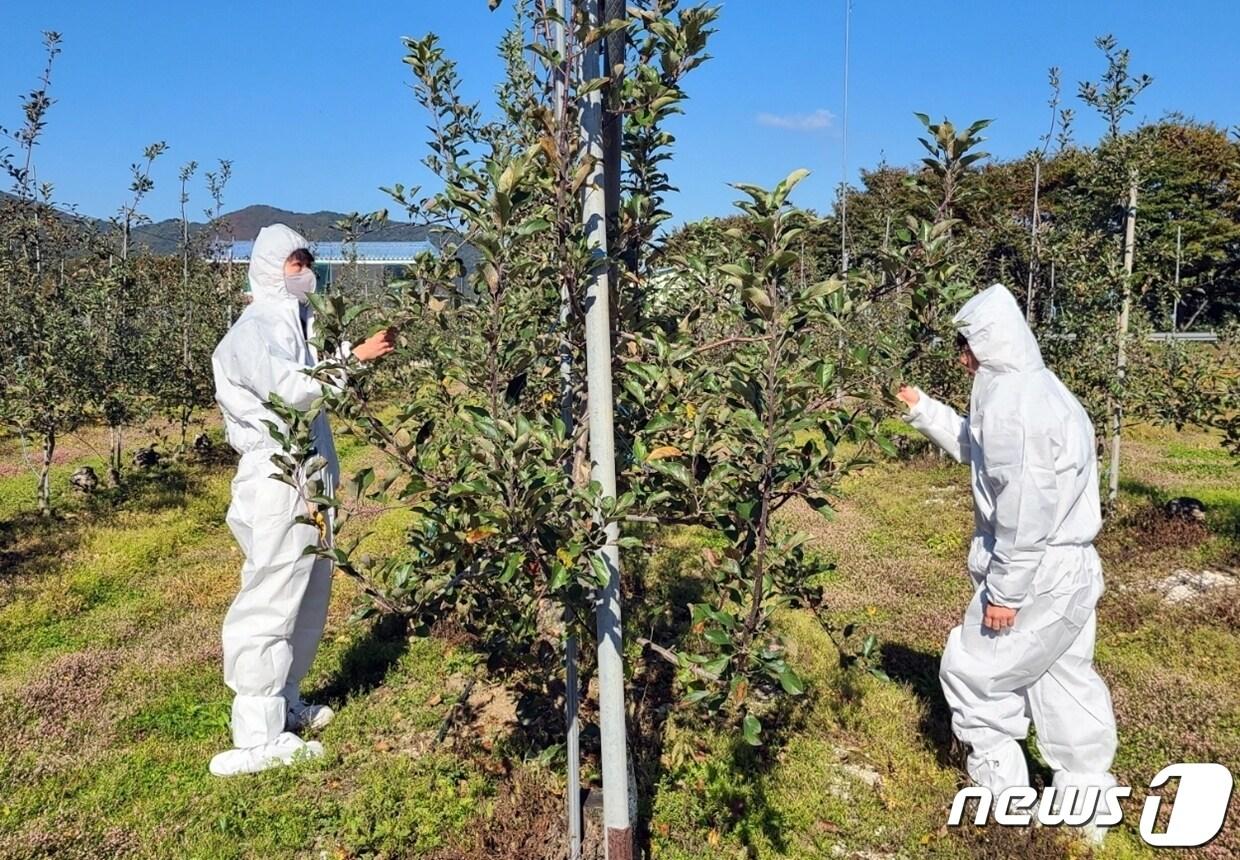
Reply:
x=815, y=121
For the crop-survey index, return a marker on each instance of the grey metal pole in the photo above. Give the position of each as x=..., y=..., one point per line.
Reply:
x=1053, y=313
x=1121, y=361
x=844, y=144
x=572, y=689
x=571, y=708
x=619, y=834
x=1033, y=238
x=1175, y=306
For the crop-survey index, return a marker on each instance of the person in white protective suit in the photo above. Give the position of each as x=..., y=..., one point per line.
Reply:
x=272, y=630
x=1026, y=645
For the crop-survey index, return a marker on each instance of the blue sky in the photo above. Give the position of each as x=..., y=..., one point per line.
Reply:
x=311, y=101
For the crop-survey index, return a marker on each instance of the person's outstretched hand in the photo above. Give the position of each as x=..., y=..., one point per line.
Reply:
x=376, y=346
x=998, y=618
x=908, y=395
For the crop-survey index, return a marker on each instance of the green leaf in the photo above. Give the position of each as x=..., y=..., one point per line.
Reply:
x=791, y=682
x=536, y=225
x=751, y=728
x=601, y=573
x=760, y=301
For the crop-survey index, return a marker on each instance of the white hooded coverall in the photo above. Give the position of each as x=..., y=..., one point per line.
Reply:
x=1036, y=511
x=272, y=630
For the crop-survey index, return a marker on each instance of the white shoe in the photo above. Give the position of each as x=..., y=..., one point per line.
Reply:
x=285, y=749
x=302, y=716
x=1094, y=834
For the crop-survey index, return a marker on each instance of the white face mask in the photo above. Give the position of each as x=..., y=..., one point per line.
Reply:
x=301, y=284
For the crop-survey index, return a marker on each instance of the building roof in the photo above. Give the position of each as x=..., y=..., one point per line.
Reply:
x=340, y=253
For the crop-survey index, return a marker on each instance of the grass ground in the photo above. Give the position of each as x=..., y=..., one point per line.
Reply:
x=111, y=692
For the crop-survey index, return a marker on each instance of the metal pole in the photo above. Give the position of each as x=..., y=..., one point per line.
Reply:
x=572, y=686
x=619, y=834
x=1175, y=305
x=1121, y=362
x=572, y=689
x=844, y=145
x=1053, y=313
x=1033, y=238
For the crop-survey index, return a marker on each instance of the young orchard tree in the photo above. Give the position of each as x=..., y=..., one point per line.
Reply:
x=1035, y=218
x=1114, y=97
x=927, y=265
x=46, y=348
x=228, y=283
x=121, y=302
x=723, y=434
x=188, y=312
x=738, y=429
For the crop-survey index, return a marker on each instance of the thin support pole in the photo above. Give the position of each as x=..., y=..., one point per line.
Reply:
x=844, y=144
x=1033, y=237
x=1175, y=304
x=571, y=695
x=614, y=743
x=1121, y=360
x=572, y=687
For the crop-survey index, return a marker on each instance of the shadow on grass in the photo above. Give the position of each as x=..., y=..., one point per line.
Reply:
x=659, y=592
x=34, y=544
x=920, y=671
x=367, y=662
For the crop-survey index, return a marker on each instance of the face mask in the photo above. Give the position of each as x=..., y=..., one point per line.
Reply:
x=302, y=284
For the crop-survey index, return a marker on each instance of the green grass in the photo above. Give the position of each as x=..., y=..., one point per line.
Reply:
x=109, y=667
x=900, y=541
x=111, y=691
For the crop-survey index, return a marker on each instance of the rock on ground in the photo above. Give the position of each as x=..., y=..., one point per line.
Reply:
x=1189, y=585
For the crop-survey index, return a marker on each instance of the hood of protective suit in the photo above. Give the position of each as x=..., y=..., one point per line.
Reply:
x=271, y=249
x=1000, y=338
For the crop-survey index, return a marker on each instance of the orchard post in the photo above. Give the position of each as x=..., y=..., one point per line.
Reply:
x=572, y=690
x=617, y=826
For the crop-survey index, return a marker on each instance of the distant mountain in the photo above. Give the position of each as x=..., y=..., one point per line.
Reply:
x=162, y=237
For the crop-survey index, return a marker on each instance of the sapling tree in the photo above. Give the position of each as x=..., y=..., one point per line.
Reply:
x=187, y=311
x=927, y=265
x=1114, y=96
x=1035, y=217
x=227, y=286
x=739, y=428
x=717, y=431
x=122, y=297
x=46, y=348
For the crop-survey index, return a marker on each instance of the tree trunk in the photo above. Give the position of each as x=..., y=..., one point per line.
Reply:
x=1121, y=359
x=185, y=415
x=114, y=455
x=45, y=472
